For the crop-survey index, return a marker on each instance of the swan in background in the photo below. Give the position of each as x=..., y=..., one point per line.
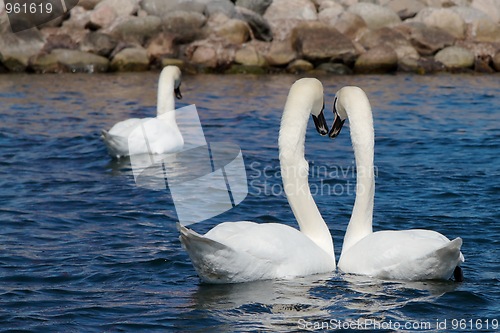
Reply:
x=244, y=251
x=163, y=135
x=395, y=255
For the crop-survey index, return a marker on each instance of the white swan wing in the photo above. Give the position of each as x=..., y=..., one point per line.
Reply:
x=403, y=255
x=116, y=139
x=142, y=136
x=247, y=251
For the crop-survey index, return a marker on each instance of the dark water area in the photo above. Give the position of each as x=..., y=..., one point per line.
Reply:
x=83, y=249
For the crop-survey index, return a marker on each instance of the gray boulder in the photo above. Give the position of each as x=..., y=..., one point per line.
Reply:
x=233, y=31
x=99, y=43
x=381, y=59
x=490, y=7
x=392, y=38
x=443, y=18
x=162, y=46
x=426, y=40
x=299, y=66
x=406, y=8
x=225, y=7
x=292, y=10
x=101, y=17
x=480, y=27
x=316, y=41
x=284, y=15
x=120, y=7
x=280, y=53
x=249, y=56
x=334, y=68
x=496, y=61
x=374, y=15
x=260, y=28
x=186, y=26
x=16, y=49
x=130, y=60
x=351, y=25
x=455, y=57
x=60, y=61
x=137, y=29
x=88, y=4
x=331, y=15
x=258, y=6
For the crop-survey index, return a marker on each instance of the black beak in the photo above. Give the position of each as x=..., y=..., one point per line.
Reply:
x=177, y=92
x=320, y=123
x=337, y=124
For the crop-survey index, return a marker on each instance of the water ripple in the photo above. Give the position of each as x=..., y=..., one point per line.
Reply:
x=82, y=249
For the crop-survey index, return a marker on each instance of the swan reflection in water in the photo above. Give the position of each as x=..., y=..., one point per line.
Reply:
x=300, y=303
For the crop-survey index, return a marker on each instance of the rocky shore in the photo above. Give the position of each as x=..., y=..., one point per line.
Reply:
x=261, y=36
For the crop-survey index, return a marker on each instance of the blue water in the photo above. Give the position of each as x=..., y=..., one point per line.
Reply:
x=83, y=249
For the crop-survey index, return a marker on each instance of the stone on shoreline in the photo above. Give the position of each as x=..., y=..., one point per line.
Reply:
x=299, y=66
x=378, y=60
x=260, y=28
x=284, y=15
x=316, y=41
x=334, y=68
x=72, y=61
x=258, y=6
x=130, y=60
x=233, y=31
x=392, y=38
x=455, y=57
x=426, y=40
x=496, y=61
x=137, y=29
x=186, y=26
x=249, y=56
x=406, y=8
x=280, y=53
x=223, y=36
x=16, y=49
x=375, y=16
x=443, y=18
x=98, y=43
x=161, y=46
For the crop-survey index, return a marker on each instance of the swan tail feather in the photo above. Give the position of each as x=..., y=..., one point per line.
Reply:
x=114, y=144
x=449, y=257
x=209, y=257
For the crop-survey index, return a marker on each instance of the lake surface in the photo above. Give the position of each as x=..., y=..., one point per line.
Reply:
x=83, y=249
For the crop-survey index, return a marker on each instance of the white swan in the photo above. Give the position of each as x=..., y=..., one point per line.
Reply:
x=163, y=135
x=395, y=255
x=244, y=251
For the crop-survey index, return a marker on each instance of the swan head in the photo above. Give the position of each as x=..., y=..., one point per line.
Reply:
x=347, y=98
x=307, y=94
x=173, y=73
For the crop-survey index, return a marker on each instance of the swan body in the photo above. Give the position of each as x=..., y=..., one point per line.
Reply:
x=396, y=255
x=157, y=135
x=245, y=251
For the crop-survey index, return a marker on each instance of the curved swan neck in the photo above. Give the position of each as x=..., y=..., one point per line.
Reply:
x=166, y=98
x=295, y=170
x=358, y=109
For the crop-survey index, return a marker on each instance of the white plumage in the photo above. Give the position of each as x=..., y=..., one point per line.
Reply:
x=397, y=255
x=246, y=251
x=157, y=135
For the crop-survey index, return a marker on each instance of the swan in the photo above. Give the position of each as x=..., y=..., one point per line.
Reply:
x=163, y=135
x=243, y=251
x=395, y=255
